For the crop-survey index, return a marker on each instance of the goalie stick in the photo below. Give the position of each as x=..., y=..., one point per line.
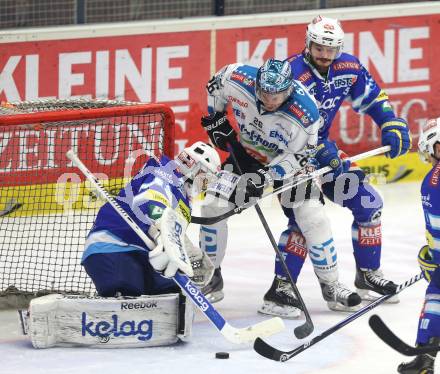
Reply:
x=286, y=186
x=307, y=327
x=275, y=354
x=384, y=333
x=234, y=335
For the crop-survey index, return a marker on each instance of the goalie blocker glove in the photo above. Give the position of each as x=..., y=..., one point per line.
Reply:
x=219, y=130
x=395, y=133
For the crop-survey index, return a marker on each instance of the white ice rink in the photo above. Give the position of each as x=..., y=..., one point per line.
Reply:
x=248, y=272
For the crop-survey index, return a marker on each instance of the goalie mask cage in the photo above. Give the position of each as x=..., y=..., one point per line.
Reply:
x=46, y=207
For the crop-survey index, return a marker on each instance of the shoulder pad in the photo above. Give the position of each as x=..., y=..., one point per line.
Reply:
x=244, y=76
x=347, y=62
x=302, y=106
x=434, y=176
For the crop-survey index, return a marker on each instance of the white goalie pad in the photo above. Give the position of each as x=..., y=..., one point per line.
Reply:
x=76, y=320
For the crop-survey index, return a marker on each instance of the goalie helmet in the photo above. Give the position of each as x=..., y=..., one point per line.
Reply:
x=429, y=137
x=274, y=81
x=426, y=263
x=325, y=31
x=199, y=158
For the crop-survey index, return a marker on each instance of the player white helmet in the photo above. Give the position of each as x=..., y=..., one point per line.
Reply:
x=199, y=158
x=325, y=31
x=429, y=137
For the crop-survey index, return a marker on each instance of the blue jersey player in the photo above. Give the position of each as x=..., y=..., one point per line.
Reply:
x=332, y=77
x=429, y=255
x=115, y=257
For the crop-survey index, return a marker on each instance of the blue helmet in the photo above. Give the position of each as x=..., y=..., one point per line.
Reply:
x=274, y=77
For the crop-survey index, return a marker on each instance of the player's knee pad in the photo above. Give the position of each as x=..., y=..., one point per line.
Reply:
x=76, y=320
x=316, y=228
x=313, y=222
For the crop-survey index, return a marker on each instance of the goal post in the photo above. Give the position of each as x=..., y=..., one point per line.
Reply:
x=46, y=206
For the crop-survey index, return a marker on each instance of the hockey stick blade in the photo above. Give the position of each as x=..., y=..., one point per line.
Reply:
x=317, y=173
x=234, y=335
x=384, y=333
x=272, y=353
x=304, y=330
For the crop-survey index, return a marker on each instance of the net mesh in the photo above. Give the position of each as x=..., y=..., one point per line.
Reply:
x=46, y=207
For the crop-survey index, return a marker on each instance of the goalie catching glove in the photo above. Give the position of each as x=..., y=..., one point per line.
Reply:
x=219, y=130
x=174, y=251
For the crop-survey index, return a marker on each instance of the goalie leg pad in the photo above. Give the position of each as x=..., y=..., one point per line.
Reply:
x=76, y=320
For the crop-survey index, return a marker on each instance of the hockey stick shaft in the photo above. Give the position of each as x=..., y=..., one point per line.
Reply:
x=388, y=337
x=238, y=336
x=284, y=187
x=272, y=353
x=307, y=328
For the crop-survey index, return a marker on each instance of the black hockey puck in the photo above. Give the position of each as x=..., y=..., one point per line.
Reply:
x=222, y=355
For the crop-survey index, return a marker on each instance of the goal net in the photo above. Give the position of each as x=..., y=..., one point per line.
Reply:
x=46, y=206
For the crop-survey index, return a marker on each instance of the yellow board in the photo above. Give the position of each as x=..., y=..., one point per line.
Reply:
x=42, y=199
x=406, y=168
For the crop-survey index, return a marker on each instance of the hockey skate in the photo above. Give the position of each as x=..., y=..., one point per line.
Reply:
x=280, y=300
x=373, y=280
x=339, y=298
x=422, y=364
x=213, y=291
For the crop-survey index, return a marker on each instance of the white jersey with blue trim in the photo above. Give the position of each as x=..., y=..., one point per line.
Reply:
x=157, y=186
x=265, y=135
x=430, y=192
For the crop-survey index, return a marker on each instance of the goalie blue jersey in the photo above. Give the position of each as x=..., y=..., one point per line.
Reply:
x=155, y=187
x=430, y=192
x=347, y=79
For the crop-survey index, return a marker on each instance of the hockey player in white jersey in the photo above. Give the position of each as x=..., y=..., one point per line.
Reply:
x=278, y=125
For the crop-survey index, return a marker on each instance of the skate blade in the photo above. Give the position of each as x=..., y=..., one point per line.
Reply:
x=337, y=307
x=288, y=312
x=367, y=295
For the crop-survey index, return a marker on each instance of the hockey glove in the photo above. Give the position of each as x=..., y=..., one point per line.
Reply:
x=256, y=182
x=219, y=130
x=202, y=265
x=395, y=133
x=327, y=155
x=170, y=253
